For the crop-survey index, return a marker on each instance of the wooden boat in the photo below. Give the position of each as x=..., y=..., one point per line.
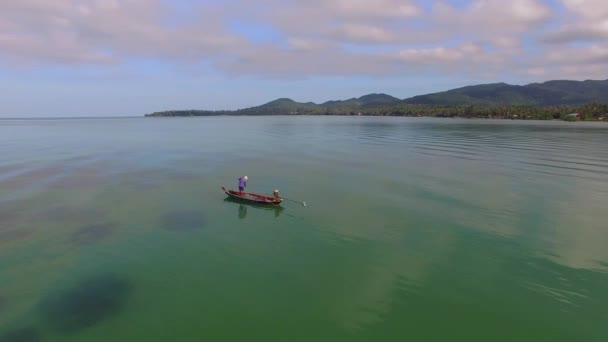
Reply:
x=254, y=198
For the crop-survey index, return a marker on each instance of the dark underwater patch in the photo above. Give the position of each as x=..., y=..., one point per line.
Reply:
x=184, y=221
x=90, y=302
x=92, y=233
x=21, y=335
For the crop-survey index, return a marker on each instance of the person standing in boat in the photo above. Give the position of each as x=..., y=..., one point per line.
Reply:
x=242, y=184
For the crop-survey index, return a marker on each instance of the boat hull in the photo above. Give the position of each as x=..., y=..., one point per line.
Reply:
x=253, y=198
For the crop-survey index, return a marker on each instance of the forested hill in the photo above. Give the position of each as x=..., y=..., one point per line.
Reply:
x=286, y=106
x=553, y=99
x=552, y=93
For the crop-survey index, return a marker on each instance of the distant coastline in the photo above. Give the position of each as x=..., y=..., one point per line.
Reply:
x=563, y=115
x=552, y=100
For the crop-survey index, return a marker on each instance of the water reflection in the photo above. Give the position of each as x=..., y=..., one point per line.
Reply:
x=460, y=223
x=242, y=210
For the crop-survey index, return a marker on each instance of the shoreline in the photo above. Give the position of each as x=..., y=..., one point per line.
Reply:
x=368, y=116
x=296, y=115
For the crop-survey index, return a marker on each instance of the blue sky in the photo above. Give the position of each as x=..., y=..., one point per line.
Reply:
x=132, y=57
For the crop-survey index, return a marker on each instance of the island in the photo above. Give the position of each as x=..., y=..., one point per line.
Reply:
x=552, y=100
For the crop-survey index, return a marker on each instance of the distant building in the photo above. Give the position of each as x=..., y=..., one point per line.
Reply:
x=574, y=115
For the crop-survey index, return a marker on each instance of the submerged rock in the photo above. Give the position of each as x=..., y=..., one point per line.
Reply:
x=87, y=304
x=21, y=335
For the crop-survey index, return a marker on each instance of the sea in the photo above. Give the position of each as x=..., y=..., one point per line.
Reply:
x=414, y=229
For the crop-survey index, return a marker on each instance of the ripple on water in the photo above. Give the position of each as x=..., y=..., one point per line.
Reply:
x=566, y=297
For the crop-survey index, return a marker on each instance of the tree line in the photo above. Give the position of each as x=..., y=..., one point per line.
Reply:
x=592, y=111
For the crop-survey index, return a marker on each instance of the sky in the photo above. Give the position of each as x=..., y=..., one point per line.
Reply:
x=131, y=57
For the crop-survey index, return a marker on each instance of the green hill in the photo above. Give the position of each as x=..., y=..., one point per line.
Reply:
x=552, y=93
x=548, y=100
x=366, y=101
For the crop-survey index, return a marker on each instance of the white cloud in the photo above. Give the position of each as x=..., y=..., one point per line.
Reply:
x=94, y=31
x=588, y=9
x=588, y=32
x=367, y=9
x=469, y=59
x=273, y=62
x=575, y=63
x=587, y=20
x=439, y=54
x=593, y=55
x=538, y=71
x=343, y=21
x=352, y=9
x=506, y=42
x=304, y=44
x=314, y=37
x=367, y=33
x=489, y=17
x=495, y=22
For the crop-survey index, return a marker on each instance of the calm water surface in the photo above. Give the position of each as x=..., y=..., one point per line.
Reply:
x=415, y=229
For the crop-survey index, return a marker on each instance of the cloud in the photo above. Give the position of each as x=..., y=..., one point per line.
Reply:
x=587, y=22
x=307, y=60
x=343, y=21
x=576, y=63
x=578, y=33
x=315, y=37
x=592, y=55
x=467, y=59
x=357, y=9
x=491, y=17
x=437, y=55
x=101, y=31
x=303, y=44
x=588, y=9
x=366, y=33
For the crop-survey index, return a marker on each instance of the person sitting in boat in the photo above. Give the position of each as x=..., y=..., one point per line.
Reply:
x=242, y=184
x=276, y=194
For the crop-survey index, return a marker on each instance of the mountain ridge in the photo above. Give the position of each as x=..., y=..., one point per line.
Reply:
x=554, y=93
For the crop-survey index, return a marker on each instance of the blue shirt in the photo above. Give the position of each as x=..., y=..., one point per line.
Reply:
x=242, y=182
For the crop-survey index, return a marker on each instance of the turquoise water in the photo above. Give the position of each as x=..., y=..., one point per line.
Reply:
x=415, y=229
